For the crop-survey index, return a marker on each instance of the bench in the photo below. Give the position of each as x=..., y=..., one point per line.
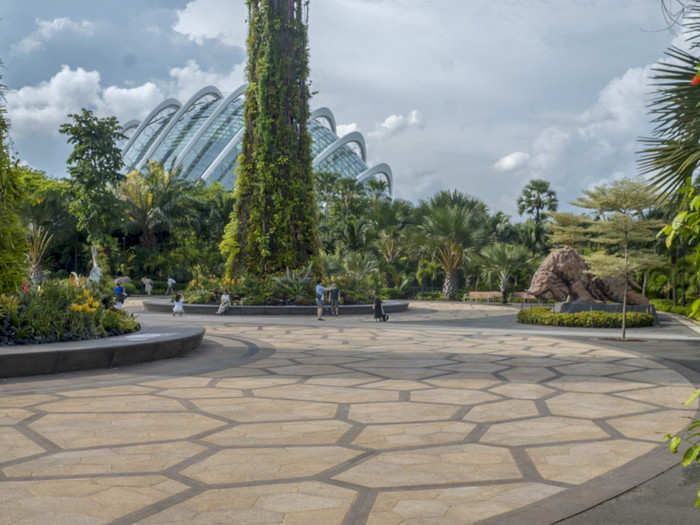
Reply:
x=525, y=296
x=476, y=296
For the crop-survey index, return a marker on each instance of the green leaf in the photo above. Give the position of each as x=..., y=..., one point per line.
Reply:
x=679, y=219
x=673, y=445
x=691, y=455
x=697, y=503
x=695, y=394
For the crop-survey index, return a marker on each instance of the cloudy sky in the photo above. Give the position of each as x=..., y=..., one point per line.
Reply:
x=477, y=95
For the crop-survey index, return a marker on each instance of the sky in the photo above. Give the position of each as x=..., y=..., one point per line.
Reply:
x=475, y=95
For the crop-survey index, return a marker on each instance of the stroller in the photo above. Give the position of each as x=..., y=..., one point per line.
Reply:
x=379, y=314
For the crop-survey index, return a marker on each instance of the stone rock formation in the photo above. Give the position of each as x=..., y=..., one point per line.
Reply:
x=564, y=274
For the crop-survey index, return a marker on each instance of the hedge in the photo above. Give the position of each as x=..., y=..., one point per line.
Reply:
x=544, y=316
x=666, y=305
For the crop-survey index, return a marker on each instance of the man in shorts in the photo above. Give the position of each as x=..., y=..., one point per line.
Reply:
x=320, y=295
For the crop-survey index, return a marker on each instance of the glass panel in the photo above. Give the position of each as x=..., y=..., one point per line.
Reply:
x=147, y=136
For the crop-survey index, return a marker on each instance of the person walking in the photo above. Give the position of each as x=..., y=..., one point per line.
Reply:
x=147, y=285
x=320, y=295
x=378, y=308
x=179, y=307
x=334, y=295
x=225, y=303
x=171, y=285
x=120, y=296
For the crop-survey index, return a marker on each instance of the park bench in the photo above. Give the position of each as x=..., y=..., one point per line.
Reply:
x=524, y=296
x=480, y=296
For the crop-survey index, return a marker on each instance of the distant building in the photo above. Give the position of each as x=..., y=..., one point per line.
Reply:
x=202, y=138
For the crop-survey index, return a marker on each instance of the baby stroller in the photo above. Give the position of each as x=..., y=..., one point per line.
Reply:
x=379, y=314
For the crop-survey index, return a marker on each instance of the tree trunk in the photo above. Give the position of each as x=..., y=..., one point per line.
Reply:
x=644, y=283
x=624, y=297
x=449, y=286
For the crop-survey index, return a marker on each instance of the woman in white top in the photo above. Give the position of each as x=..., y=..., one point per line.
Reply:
x=225, y=303
x=179, y=308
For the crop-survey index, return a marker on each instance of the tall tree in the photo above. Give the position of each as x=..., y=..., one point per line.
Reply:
x=537, y=197
x=274, y=224
x=622, y=229
x=12, y=237
x=95, y=166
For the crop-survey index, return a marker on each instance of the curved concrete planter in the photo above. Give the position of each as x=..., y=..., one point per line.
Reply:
x=210, y=309
x=51, y=358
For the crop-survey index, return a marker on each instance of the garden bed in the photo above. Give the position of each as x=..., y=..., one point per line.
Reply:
x=544, y=316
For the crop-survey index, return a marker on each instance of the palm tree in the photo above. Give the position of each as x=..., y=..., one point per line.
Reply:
x=448, y=234
x=505, y=261
x=536, y=197
x=39, y=240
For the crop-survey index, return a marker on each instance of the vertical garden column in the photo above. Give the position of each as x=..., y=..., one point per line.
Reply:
x=274, y=224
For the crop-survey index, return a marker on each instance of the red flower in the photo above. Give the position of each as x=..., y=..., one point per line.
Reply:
x=695, y=81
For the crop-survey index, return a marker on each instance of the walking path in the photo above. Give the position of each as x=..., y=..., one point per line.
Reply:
x=441, y=416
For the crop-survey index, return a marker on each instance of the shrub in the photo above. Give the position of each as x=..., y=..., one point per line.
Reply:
x=544, y=316
x=61, y=311
x=429, y=296
x=666, y=305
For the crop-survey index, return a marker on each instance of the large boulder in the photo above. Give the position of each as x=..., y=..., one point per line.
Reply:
x=564, y=274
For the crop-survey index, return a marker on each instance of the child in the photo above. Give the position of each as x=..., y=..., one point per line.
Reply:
x=379, y=314
x=179, y=308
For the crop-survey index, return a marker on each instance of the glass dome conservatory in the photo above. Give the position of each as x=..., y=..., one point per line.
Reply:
x=202, y=138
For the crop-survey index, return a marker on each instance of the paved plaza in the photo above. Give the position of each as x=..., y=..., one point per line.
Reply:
x=278, y=421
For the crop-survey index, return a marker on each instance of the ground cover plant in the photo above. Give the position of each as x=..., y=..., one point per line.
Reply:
x=544, y=316
x=61, y=311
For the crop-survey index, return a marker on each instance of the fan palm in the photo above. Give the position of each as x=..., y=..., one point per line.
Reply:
x=505, y=261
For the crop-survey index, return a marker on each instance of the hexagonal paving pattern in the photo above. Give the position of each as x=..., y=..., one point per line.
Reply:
x=334, y=423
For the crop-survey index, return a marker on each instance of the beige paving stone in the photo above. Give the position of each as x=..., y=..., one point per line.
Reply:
x=235, y=372
x=349, y=379
x=258, y=410
x=94, y=430
x=397, y=384
x=307, y=503
x=201, y=393
x=661, y=376
x=81, y=500
x=399, y=412
x=607, y=352
x=667, y=396
x=594, y=384
x=447, y=464
x=522, y=390
x=529, y=374
x=298, y=433
x=456, y=396
x=179, y=382
x=653, y=426
x=464, y=380
x=593, y=405
x=641, y=362
x=476, y=366
x=14, y=445
x=138, y=403
x=307, y=370
x=413, y=434
x=333, y=394
x=535, y=361
x=501, y=411
x=11, y=416
x=594, y=368
x=264, y=381
x=256, y=464
x=542, y=430
x=118, y=390
x=399, y=373
x=455, y=506
x=580, y=462
x=329, y=360
x=20, y=401
x=117, y=460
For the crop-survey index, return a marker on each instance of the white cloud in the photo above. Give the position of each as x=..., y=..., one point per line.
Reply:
x=213, y=19
x=46, y=30
x=344, y=129
x=395, y=124
x=511, y=161
x=190, y=78
x=39, y=110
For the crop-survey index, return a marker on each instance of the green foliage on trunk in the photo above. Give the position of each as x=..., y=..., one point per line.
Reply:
x=274, y=224
x=13, y=243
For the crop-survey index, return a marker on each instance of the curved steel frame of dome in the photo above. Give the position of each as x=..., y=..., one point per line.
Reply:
x=208, y=90
x=224, y=156
x=324, y=113
x=354, y=137
x=238, y=93
x=167, y=103
x=379, y=169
